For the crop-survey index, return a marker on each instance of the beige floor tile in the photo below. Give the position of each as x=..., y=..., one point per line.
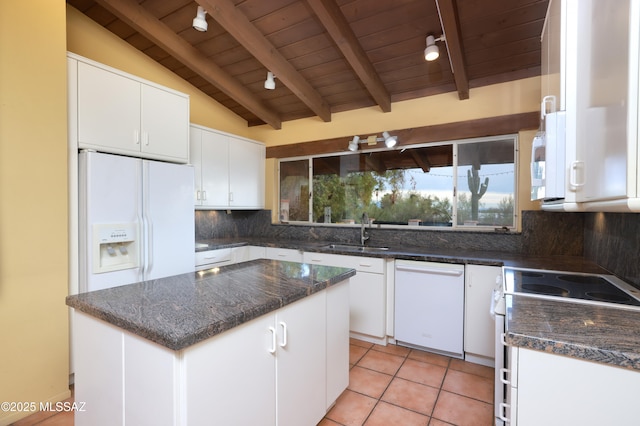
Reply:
x=355, y=353
x=411, y=395
x=469, y=385
x=392, y=349
x=60, y=419
x=462, y=411
x=352, y=408
x=381, y=362
x=429, y=357
x=386, y=415
x=328, y=422
x=368, y=382
x=422, y=372
x=469, y=367
x=360, y=343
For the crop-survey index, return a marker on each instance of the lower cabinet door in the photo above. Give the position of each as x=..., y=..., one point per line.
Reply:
x=301, y=362
x=230, y=380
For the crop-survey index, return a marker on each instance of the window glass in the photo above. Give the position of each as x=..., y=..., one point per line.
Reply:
x=486, y=183
x=294, y=190
x=469, y=183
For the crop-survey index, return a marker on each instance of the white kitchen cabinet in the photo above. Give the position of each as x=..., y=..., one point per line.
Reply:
x=607, y=80
x=122, y=114
x=209, y=156
x=549, y=389
x=479, y=326
x=337, y=342
x=594, y=48
x=233, y=370
x=289, y=255
x=229, y=170
x=367, y=292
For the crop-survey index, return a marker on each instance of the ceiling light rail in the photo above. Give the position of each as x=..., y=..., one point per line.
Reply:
x=389, y=141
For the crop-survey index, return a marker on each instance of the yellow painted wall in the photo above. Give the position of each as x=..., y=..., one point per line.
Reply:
x=86, y=38
x=34, y=337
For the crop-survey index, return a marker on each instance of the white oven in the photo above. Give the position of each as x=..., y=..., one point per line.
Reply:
x=502, y=403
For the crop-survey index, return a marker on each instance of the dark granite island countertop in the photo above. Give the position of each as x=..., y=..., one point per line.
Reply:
x=182, y=310
x=593, y=333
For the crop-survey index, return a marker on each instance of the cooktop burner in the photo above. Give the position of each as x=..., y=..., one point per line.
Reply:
x=586, y=288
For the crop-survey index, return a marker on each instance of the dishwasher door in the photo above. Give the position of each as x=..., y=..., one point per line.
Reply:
x=429, y=306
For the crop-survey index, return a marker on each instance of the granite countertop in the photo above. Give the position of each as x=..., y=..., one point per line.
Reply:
x=594, y=333
x=182, y=310
x=475, y=257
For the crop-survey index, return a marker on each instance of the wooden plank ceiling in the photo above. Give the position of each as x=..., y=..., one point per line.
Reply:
x=329, y=55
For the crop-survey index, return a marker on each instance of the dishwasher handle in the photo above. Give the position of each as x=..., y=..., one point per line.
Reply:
x=426, y=270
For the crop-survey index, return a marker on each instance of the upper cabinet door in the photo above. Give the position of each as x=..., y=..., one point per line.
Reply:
x=215, y=169
x=108, y=110
x=165, y=123
x=246, y=174
x=122, y=114
x=606, y=99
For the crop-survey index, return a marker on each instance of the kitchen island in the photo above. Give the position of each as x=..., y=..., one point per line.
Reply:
x=261, y=342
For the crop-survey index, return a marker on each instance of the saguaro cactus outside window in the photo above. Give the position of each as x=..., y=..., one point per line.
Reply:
x=477, y=190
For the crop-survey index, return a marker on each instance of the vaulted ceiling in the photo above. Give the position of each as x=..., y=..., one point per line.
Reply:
x=329, y=55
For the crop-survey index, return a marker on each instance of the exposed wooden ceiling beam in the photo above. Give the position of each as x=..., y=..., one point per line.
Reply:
x=338, y=28
x=148, y=25
x=374, y=161
x=480, y=127
x=421, y=162
x=451, y=26
x=240, y=28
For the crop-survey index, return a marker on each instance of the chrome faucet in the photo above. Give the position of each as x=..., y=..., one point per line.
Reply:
x=364, y=236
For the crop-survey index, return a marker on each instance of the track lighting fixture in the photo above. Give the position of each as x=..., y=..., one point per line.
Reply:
x=270, y=83
x=353, y=143
x=432, y=52
x=389, y=141
x=200, y=21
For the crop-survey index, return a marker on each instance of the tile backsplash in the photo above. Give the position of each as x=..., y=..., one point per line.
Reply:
x=612, y=240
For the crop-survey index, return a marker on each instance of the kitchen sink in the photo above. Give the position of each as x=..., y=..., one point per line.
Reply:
x=352, y=247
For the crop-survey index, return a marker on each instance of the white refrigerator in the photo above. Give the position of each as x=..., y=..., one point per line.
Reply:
x=136, y=220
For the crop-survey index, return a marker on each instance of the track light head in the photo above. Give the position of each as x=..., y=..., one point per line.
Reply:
x=353, y=143
x=200, y=21
x=270, y=83
x=389, y=141
x=432, y=52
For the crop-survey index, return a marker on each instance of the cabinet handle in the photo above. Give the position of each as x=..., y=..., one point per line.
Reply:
x=145, y=136
x=204, y=195
x=231, y=196
x=573, y=179
x=503, y=408
x=503, y=339
x=283, y=342
x=503, y=375
x=198, y=195
x=272, y=350
x=136, y=136
x=547, y=100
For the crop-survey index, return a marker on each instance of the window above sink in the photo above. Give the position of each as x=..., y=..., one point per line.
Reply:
x=460, y=184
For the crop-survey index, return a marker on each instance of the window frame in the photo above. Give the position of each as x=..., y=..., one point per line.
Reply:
x=454, y=202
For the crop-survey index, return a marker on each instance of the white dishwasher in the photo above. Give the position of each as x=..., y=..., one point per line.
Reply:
x=429, y=306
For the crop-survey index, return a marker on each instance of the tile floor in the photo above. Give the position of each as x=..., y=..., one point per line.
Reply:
x=394, y=385
x=391, y=385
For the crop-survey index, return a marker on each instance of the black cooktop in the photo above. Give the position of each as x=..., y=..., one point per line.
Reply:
x=595, y=289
